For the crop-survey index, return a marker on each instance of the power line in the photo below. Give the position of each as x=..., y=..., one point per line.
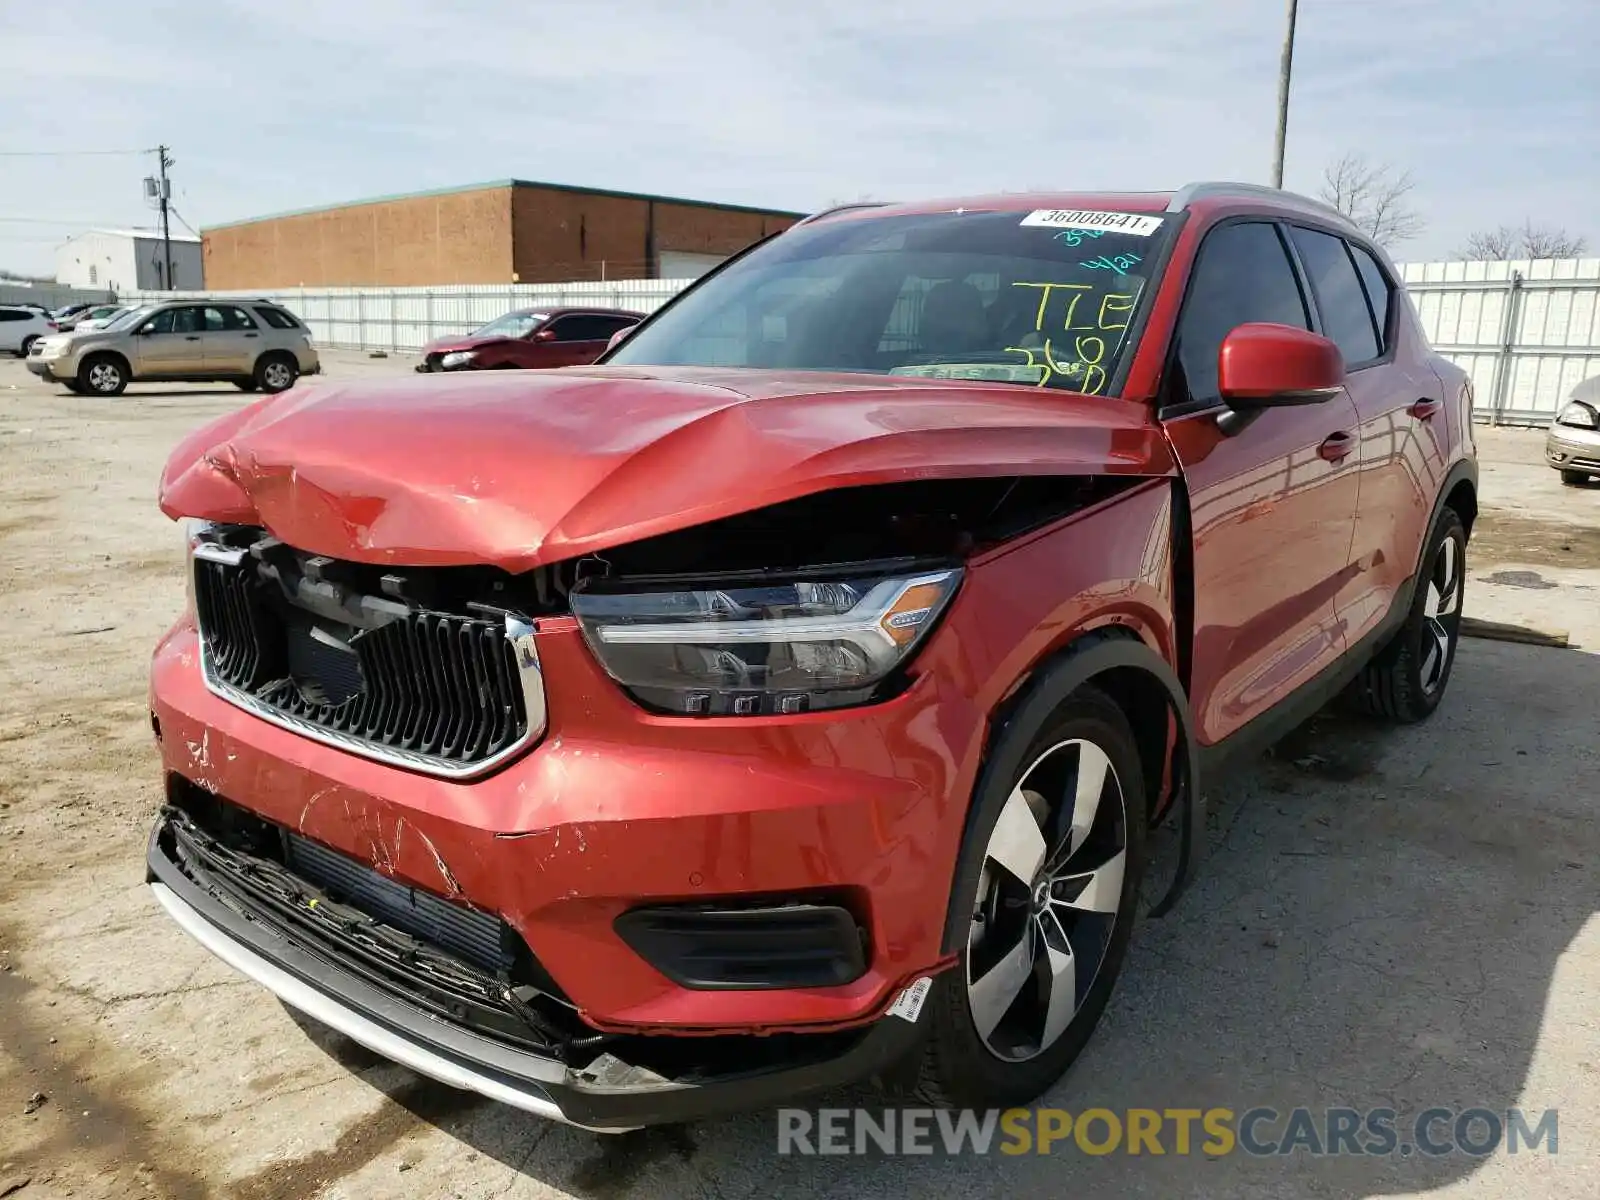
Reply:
x=72, y=153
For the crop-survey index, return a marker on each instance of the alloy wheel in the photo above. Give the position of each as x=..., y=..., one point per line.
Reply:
x=1441, y=613
x=1047, y=901
x=277, y=376
x=104, y=377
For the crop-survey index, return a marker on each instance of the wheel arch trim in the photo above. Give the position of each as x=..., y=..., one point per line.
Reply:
x=1038, y=694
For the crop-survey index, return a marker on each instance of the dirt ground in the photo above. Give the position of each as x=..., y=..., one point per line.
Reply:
x=1389, y=917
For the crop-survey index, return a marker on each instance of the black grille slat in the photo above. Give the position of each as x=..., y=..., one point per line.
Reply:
x=467, y=933
x=437, y=684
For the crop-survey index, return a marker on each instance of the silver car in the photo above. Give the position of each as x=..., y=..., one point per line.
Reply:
x=255, y=345
x=1573, y=444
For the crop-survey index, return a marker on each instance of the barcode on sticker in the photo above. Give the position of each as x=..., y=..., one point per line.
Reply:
x=908, y=1004
x=1138, y=224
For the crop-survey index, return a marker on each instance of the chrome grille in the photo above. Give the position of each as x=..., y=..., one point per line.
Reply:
x=440, y=692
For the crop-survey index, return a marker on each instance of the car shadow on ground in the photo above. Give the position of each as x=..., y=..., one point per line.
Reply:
x=1379, y=926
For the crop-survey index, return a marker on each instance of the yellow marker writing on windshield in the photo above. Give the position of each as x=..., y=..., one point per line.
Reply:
x=1044, y=298
x=1106, y=306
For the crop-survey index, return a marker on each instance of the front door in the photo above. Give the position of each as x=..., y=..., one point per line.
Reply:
x=172, y=342
x=1272, y=507
x=579, y=340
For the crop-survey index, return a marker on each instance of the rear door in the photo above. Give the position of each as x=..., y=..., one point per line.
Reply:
x=1400, y=403
x=15, y=324
x=1272, y=507
x=232, y=340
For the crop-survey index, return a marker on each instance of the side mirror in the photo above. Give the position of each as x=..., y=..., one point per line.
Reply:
x=145, y=330
x=620, y=336
x=1262, y=366
x=545, y=335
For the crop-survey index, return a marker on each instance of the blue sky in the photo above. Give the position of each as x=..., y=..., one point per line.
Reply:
x=1493, y=107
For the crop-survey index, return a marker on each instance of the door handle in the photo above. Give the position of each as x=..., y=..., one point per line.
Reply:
x=252, y=335
x=191, y=337
x=1336, y=447
x=1425, y=408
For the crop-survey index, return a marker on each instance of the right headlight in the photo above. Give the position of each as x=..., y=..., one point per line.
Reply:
x=760, y=649
x=457, y=358
x=1579, y=415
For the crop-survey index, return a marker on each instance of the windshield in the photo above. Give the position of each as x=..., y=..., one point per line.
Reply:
x=513, y=325
x=128, y=318
x=1042, y=298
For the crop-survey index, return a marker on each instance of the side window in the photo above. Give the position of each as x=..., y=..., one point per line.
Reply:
x=214, y=321
x=188, y=320
x=1380, y=292
x=277, y=318
x=163, y=321
x=12, y=314
x=580, y=328
x=1341, y=300
x=1243, y=274
x=236, y=320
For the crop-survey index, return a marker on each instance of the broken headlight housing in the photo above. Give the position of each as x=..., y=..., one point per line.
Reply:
x=760, y=648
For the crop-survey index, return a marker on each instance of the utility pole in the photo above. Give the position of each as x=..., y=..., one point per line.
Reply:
x=1284, y=69
x=164, y=193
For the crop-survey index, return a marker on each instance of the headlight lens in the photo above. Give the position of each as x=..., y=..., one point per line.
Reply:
x=1579, y=415
x=457, y=358
x=761, y=649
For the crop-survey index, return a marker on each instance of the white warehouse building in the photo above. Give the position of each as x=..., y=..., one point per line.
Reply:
x=120, y=260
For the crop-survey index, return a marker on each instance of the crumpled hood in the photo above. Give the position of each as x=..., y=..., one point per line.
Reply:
x=520, y=469
x=464, y=341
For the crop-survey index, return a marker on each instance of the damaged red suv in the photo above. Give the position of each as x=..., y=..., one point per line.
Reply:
x=795, y=696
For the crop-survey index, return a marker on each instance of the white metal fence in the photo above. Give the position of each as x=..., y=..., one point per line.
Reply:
x=1525, y=331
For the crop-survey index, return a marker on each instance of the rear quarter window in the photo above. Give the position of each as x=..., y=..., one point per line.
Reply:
x=277, y=318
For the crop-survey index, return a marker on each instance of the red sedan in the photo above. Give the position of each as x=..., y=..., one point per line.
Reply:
x=530, y=337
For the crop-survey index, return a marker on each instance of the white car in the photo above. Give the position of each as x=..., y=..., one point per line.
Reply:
x=92, y=317
x=98, y=317
x=21, y=327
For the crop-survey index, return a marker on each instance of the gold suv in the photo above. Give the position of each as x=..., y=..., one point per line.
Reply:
x=254, y=344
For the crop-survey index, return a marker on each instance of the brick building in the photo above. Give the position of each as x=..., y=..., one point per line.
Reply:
x=511, y=231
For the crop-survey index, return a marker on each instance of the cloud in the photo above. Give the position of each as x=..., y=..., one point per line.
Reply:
x=272, y=107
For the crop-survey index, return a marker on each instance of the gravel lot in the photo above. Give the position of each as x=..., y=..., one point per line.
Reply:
x=1402, y=918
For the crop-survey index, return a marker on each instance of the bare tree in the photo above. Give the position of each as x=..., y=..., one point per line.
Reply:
x=1374, y=196
x=1531, y=241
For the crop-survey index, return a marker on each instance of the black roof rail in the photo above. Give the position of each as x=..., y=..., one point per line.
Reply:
x=839, y=208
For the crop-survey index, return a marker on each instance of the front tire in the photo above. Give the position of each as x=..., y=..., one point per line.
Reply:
x=1574, y=478
x=1048, y=881
x=103, y=375
x=276, y=373
x=1407, y=679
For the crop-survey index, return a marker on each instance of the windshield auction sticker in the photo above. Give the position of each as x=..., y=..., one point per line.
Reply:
x=1138, y=224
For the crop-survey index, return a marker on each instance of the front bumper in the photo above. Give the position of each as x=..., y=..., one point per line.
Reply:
x=52, y=370
x=1570, y=449
x=607, y=1095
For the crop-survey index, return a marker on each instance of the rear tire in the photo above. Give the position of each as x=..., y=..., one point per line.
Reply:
x=103, y=375
x=1407, y=679
x=27, y=345
x=276, y=373
x=1039, y=956
x=1575, y=478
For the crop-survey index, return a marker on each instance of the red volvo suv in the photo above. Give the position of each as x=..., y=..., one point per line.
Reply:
x=791, y=697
